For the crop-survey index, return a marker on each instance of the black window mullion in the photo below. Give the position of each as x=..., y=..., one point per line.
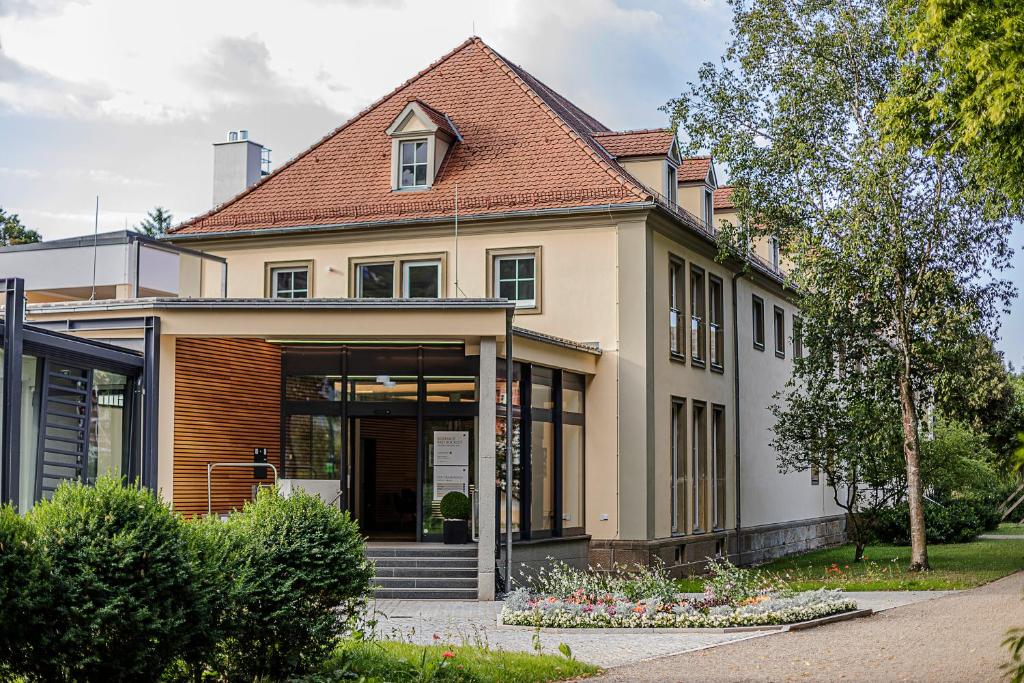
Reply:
x=556, y=391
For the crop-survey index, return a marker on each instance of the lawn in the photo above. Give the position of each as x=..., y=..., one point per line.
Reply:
x=384, y=660
x=1010, y=529
x=954, y=566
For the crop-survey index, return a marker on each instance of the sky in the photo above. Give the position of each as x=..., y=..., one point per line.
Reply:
x=124, y=98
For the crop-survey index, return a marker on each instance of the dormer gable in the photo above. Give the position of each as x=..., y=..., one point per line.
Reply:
x=651, y=156
x=420, y=139
x=697, y=184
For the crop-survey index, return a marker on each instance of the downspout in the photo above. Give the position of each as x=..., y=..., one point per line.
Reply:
x=736, y=420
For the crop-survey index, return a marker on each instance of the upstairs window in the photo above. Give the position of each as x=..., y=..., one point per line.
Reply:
x=288, y=281
x=672, y=185
x=798, y=337
x=757, y=306
x=780, y=332
x=709, y=209
x=698, y=321
x=421, y=279
x=375, y=280
x=716, y=323
x=515, y=279
x=773, y=246
x=675, y=307
x=413, y=170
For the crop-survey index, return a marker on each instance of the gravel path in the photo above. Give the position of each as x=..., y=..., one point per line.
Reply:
x=952, y=638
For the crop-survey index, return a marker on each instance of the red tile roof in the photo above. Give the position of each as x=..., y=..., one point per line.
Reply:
x=723, y=198
x=637, y=143
x=694, y=169
x=523, y=147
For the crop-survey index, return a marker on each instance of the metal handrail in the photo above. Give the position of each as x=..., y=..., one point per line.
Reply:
x=209, y=477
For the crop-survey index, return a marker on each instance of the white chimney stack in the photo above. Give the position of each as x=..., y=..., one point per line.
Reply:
x=237, y=163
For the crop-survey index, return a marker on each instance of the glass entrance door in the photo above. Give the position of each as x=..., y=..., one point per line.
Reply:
x=384, y=482
x=450, y=449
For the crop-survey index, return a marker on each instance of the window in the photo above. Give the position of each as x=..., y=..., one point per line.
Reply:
x=679, y=481
x=421, y=279
x=698, y=333
x=289, y=283
x=757, y=306
x=798, y=337
x=413, y=164
x=709, y=208
x=542, y=452
x=815, y=475
x=572, y=451
x=780, y=332
x=718, y=438
x=773, y=246
x=699, y=448
x=675, y=307
x=672, y=184
x=515, y=279
x=375, y=280
x=716, y=323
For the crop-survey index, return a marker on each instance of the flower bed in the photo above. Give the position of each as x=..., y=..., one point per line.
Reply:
x=645, y=597
x=523, y=609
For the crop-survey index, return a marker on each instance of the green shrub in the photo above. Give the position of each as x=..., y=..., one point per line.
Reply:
x=953, y=521
x=455, y=505
x=26, y=600
x=122, y=576
x=297, y=575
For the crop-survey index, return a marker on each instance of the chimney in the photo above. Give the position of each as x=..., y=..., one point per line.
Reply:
x=237, y=163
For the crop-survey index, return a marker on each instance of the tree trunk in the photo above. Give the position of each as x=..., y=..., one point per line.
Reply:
x=858, y=553
x=915, y=492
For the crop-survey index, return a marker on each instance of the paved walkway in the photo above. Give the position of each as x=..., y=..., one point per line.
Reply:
x=955, y=637
x=476, y=623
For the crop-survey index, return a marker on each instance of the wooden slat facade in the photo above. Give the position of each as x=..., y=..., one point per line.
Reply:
x=227, y=401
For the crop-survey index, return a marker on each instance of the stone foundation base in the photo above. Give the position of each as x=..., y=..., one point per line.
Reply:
x=537, y=554
x=686, y=555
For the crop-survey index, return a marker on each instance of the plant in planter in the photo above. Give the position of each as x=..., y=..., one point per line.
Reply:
x=455, y=509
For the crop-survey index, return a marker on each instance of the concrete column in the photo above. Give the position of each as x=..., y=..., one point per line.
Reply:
x=485, y=470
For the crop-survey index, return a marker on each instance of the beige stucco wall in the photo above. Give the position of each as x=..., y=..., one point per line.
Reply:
x=651, y=172
x=679, y=379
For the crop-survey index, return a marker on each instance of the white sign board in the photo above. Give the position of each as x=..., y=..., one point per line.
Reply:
x=451, y=448
x=448, y=478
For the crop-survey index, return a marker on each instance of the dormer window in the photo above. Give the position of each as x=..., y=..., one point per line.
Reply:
x=413, y=164
x=420, y=139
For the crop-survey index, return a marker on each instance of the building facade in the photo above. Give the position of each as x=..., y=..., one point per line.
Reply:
x=378, y=283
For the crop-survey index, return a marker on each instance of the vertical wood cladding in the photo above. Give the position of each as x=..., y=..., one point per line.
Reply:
x=227, y=401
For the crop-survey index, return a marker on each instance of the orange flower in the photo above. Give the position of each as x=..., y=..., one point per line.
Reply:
x=448, y=654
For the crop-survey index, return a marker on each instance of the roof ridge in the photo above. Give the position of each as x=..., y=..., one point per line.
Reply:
x=609, y=166
x=360, y=114
x=635, y=131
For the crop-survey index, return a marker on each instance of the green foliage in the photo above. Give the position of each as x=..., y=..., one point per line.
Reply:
x=975, y=88
x=1015, y=644
x=297, y=575
x=954, y=522
x=13, y=232
x=896, y=249
x=156, y=223
x=455, y=505
x=636, y=582
x=26, y=600
x=120, y=572
x=399, y=662
x=732, y=585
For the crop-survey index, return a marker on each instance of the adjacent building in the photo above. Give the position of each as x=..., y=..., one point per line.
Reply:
x=377, y=285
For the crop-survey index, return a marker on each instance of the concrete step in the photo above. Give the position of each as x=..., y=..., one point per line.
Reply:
x=439, y=572
x=425, y=593
x=422, y=582
x=426, y=562
x=413, y=551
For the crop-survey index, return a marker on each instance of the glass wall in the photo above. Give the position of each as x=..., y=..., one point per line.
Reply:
x=108, y=428
x=572, y=452
x=517, y=447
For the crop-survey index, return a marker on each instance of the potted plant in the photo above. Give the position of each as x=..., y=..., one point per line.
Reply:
x=455, y=510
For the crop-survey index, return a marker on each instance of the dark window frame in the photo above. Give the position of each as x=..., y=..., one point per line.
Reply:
x=779, y=315
x=699, y=464
x=677, y=296
x=716, y=322
x=798, y=337
x=756, y=305
x=698, y=321
x=719, y=451
x=679, y=455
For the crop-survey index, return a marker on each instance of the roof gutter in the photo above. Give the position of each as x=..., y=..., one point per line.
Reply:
x=432, y=220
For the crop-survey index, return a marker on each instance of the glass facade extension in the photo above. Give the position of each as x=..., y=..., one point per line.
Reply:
x=397, y=425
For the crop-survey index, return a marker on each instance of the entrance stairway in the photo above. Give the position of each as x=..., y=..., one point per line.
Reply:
x=424, y=571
